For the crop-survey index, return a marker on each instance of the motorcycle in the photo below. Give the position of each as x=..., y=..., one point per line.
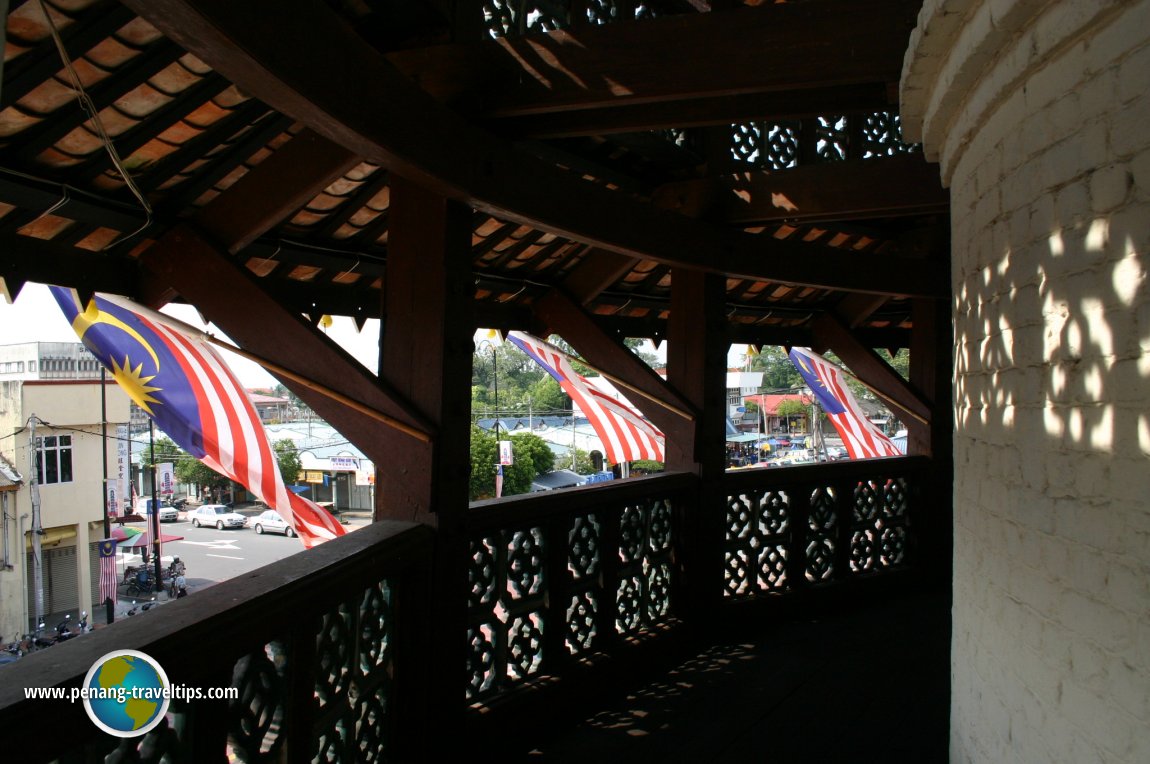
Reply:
x=40, y=640
x=142, y=581
x=11, y=653
x=63, y=632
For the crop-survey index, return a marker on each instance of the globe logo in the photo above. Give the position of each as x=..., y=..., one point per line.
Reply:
x=126, y=693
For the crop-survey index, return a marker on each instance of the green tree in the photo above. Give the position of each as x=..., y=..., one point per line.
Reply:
x=791, y=409
x=547, y=396
x=534, y=448
x=287, y=457
x=517, y=477
x=779, y=372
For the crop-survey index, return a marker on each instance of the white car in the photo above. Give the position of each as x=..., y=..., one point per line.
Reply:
x=271, y=522
x=169, y=514
x=218, y=515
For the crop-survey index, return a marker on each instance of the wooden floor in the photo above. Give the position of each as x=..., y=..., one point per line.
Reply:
x=869, y=685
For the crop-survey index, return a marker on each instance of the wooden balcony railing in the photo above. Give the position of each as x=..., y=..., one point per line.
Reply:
x=312, y=643
x=554, y=576
x=329, y=649
x=808, y=526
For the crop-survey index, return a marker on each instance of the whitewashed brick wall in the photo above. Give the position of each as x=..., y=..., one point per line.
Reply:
x=1039, y=114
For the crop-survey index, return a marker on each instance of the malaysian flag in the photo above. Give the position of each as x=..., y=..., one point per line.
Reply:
x=185, y=386
x=862, y=439
x=108, y=577
x=625, y=436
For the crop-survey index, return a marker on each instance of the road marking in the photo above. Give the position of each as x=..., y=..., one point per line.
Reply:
x=226, y=557
x=217, y=544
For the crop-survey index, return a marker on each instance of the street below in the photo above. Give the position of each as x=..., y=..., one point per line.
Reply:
x=212, y=556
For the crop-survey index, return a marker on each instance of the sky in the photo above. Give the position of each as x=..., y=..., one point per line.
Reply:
x=35, y=317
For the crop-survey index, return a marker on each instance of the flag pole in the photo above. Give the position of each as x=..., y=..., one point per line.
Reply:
x=415, y=432
x=108, y=604
x=626, y=385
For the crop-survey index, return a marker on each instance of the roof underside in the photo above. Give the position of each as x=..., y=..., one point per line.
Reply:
x=600, y=144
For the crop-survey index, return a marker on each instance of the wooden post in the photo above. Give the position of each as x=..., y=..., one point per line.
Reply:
x=697, y=367
x=931, y=354
x=426, y=352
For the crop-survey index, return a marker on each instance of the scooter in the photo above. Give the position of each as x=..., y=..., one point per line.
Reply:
x=63, y=633
x=39, y=640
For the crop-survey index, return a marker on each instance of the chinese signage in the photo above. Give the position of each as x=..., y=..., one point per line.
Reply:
x=505, y=455
x=167, y=477
x=349, y=463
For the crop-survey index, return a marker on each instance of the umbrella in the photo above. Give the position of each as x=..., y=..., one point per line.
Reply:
x=144, y=539
x=125, y=533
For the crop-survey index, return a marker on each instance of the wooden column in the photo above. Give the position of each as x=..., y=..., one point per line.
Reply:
x=931, y=371
x=697, y=367
x=426, y=352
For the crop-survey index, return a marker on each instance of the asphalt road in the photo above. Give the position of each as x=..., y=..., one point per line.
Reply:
x=213, y=556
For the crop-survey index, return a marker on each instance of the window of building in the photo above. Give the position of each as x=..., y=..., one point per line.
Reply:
x=54, y=462
x=31, y=366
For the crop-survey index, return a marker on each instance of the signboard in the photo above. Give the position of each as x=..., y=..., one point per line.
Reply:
x=166, y=475
x=312, y=476
x=349, y=463
x=506, y=456
x=113, y=499
x=599, y=477
x=119, y=478
x=364, y=477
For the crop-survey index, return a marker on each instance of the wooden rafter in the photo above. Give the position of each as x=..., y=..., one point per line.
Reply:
x=690, y=58
x=897, y=186
x=410, y=133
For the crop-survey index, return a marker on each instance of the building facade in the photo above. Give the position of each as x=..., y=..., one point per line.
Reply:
x=51, y=431
x=47, y=360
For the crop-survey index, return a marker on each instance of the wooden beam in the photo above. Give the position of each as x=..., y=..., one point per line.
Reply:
x=274, y=190
x=772, y=48
x=915, y=410
x=230, y=296
x=698, y=112
x=24, y=259
x=411, y=134
x=856, y=308
x=566, y=318
x=892, y=187
x=597, y=271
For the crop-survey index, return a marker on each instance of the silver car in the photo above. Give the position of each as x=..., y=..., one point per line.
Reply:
x=271, y=522
x=218, y=515
x=169, y=514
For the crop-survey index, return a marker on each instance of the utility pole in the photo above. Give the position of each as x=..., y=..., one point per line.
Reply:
x=108, y=497
x=37, y=526
x=155, y=508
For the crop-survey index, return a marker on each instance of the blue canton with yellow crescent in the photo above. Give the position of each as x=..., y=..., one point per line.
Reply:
x=141, y=361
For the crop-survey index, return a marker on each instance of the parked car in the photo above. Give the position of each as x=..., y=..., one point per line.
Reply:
x=167, y=513
x=271, y=522
x=218, y=515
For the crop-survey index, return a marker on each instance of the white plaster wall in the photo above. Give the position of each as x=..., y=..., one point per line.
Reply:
x=1039, y=114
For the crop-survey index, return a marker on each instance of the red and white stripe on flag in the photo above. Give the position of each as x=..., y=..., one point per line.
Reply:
x=108, y=578
x=860, y=437
x=235, y=443
x=626, y=437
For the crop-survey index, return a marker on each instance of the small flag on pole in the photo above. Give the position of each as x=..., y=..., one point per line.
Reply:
x=108, y=577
